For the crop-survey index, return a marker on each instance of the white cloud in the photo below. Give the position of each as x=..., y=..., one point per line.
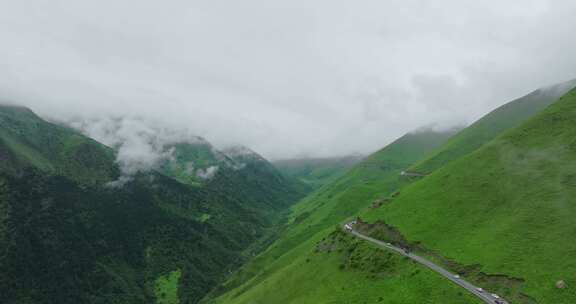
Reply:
x=285, y=78
x=207, y=173
x=141, y=144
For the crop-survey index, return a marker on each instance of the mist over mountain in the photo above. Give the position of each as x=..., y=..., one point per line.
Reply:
x=490, y=204
x=287, y=152
x=317, y=171
x=141, y=144
x=284, y=79
x=80, y=220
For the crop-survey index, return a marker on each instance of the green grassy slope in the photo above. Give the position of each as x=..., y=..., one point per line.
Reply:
x=342, y=269
x=491, y=125
x=508, y=207
x=26, y=140
x=316, y=171
x=315, y=217
x=188, y=158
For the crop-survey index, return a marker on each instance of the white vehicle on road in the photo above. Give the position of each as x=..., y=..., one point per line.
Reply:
x=348, y=227
x=496, y=296
x=456, y=276
x=480, y=289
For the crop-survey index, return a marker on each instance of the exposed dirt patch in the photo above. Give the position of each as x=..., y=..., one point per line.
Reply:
x=379, y=202
x=329, y=243
x=382, y=231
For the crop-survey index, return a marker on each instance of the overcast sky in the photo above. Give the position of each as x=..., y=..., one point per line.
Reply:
x=285, y=78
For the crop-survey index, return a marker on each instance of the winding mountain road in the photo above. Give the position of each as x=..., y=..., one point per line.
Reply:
x=482, y=294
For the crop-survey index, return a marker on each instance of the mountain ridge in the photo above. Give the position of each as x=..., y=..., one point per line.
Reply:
x=354, y=272
x=66, y=237
x=505, y=117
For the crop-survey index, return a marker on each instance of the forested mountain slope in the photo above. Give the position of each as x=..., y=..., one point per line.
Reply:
x=67, y=236
x=26, y=140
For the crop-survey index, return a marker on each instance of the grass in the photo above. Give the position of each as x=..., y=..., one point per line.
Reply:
x=314, y=217
x=25, y=153
x=508, y=207
x=188, y=158
x=186, y=213
x=64, y=238
x=204, y=217
x=316, y=172
x=29, y=141
x=468, y=226
x=491, y=125
x=166, y=288
x=350, y=271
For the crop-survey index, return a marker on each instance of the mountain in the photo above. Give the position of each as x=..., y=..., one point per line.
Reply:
x=493, y=203
x=493, y=124
x=238, y=171
x=316, y=171
x=66, y=236
x=28, y=141
x=193, y=163
x=291, y=269
x=502, y=215
x=470, y=220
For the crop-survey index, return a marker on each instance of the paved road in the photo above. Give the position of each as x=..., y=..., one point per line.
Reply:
x=412, y=174
x=483, y=295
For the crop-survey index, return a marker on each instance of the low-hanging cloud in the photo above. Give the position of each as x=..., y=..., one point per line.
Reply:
x=288, y=78
x=207, y=173
x=141, y=145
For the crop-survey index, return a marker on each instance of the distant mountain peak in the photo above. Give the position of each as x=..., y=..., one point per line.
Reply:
x=239, y=152
x=11, y=109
